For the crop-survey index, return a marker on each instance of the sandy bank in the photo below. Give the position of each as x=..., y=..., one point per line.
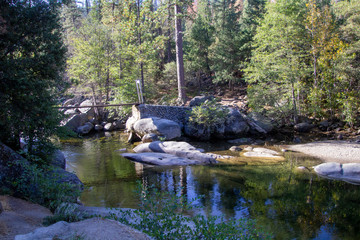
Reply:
x=330, y=151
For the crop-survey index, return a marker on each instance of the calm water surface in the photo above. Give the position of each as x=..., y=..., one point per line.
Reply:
x=288, y=203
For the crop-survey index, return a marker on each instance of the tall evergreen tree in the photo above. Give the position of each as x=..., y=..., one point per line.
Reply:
x=225, y=55
x=277, y=66
x=32, y=58
x=200, y=36
x=348, y=65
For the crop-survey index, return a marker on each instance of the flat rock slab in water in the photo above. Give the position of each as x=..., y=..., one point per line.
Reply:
x=163, y=159
x=348, y=172
x=178, y=149
x=263, y=153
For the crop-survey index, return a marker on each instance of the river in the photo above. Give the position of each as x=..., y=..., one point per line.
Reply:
x=288, y=203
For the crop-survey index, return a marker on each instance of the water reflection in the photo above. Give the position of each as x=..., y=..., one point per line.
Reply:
x=291, y=204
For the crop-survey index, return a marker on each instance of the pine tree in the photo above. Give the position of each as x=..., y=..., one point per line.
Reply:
x=200, y=36
x=348, y=64
x=32, y=58
x=225, y=54
x=277, y=67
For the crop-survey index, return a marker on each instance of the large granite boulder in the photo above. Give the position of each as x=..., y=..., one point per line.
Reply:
x=198, y=100
x=259, y=123
x=303, y=127
x=129, y=125
x=235, y=124
x=13, y=166
x=90, y=112
x=58, y=159
x=108, y=127
x=93, y=228
x=75, y=121
x=85, y=129
x=198, y=131
x=162, y=127
x=348, y=172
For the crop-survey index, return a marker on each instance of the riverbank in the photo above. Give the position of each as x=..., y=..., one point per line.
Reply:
x=330, y=150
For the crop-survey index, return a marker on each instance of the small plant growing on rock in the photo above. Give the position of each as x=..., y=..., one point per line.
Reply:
x=210, y=113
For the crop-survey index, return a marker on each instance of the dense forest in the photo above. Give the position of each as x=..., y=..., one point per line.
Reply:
x=296, y=57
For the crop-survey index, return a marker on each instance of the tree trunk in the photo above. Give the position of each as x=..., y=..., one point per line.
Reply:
x=179, y=56
x=140, y=52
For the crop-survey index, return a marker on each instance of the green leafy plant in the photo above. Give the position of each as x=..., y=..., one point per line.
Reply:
x=65, y=212
x=42, y=186
x=164, y=215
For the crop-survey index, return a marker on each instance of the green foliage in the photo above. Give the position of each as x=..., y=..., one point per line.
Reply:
x=162, y=216
x=117, y=43
x=32, y=58
x=65, y=212
x=277, y=66
x=199, y=39
x=300, y=65
x=210, y=113
x=348, y=63
x=40, y=185
x=65, y=133
x=225, y=54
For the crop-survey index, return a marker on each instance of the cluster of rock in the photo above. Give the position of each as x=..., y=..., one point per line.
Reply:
x=83, y=120
x=326, y=125
x=151, y=122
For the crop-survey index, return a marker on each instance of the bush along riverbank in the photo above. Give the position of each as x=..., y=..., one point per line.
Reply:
x=36, y=179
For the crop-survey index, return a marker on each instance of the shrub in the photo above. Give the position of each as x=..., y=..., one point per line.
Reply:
x=40, y=185
x=210, y=113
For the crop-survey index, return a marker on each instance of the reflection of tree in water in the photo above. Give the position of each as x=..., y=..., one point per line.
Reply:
x=286, y=202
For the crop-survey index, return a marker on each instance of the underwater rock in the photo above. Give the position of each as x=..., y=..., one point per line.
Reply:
x=262, y=153
x=170, y=153
x=235, y=149
x=163, y=159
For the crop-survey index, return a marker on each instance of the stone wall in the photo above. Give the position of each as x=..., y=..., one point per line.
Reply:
x=174, y=113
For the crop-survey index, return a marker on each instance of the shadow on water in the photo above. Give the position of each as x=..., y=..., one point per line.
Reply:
x=290, y=203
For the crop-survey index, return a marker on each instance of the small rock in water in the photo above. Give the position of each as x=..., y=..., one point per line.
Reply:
x=302, y=168
x=284, y=150
x=248, y=148
x=235, y=149
x=121, y=150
